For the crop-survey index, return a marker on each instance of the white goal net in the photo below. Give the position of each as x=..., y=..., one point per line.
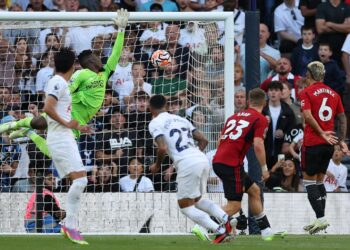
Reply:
x=121, y=195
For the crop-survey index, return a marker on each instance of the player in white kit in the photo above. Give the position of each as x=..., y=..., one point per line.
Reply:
x=175, y=135
x=61, y=141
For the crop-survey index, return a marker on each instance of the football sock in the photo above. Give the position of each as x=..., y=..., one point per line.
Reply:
x=262, y=221
x=212, y=209
x=24, y=123
x=202, y=218
x=40, y=142
x=73, y=201
x=323, y=193
x=313, y=194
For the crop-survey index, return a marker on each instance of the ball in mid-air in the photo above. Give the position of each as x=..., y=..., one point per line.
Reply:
x=160, y=58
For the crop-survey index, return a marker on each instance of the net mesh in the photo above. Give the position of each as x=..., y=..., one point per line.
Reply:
x=193, y=85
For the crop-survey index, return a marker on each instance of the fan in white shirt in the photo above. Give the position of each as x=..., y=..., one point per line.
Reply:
x=337, y=173
x=135, y=182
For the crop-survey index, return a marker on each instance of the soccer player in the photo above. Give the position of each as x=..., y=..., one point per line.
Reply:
x=175, y=135
x=87, y=89
x=320, y=105
x=240, y=131
x=61, y=141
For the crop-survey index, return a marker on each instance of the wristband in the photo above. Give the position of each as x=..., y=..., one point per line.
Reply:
x=264, y=168
x=122, y=30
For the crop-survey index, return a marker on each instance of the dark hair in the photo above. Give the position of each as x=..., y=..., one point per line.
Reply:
x=156, y=7
x=51, y=34
x=174, y=100
x=306, y=27
x=84, y=54
x=157, y=102
x=141, y=95
x=326, y=44
x=64, y=60
x=139, y=159
x=277, y=85
x=138, y=63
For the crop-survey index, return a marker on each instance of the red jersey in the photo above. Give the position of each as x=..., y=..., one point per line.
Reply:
x=324, y=104
x=237, y=135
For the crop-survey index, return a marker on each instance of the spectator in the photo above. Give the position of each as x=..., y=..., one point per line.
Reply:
x=281, y=120
x=5, y=98
x=238, y=76
x=181, y=54
x=174, y=106
x=288, y=22
x=217, y=107
x=170, y=83
x=7, y=65
x=26, y=185
x=308, y=9
x=117, y=144
x=153, y=36
x=49, y=38
x=36, y=5
x=201, y=119
x=156, y=7
x=240, y=100
x=334, y=76
x=104, y=179
x=239, y=19
x=132, y=42
x=213, y=6
x=336, y=175
x=97, y=48
x=3, y=6
x=107, y=6
x=332, y=20
x=103, y=116
x=135, y=181
x=192, y=37
x=168, y=6
x=304, y=53
x=59, y=5
x=123, y=71
x=72, y=5
x=346, y=95
x=25, y=3
x=216, y=64
x=45, y=73
x=283, y=70
x=268, y=55
x=15, y=7
x=137, y=84
x=286, y=97
x=53, y=214
x=284, y=177
x=187, y=6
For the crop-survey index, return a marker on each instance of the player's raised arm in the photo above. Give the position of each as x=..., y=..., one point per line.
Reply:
x=200, y=138
x=121, y=21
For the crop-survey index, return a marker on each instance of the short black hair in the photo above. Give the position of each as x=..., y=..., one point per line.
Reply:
x=51, y=34
x=84, y=54
x=326, y=44
x=307, y=27
x=141, y=95
x=64, y=60
x=156, y=7
x=157, y=102
x=275, y=85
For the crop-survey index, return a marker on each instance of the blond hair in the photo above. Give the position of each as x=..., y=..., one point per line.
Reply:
x=316, y=70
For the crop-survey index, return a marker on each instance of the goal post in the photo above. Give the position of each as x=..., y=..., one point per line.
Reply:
x=118, y=212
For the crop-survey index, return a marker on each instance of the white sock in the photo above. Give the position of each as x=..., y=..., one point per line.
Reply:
x=213, y=209
x=73, y=201
x=201, y=218
x=266, y=232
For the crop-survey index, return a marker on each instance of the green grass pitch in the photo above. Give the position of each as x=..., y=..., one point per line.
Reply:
x=151, y=242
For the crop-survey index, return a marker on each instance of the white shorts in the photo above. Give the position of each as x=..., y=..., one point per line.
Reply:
x=65, y=156
x=192, y=177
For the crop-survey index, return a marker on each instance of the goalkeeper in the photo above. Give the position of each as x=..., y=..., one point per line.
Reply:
x=87, y=89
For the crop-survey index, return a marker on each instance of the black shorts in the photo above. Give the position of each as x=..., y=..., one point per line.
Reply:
x=315, y=159
x=233, y=179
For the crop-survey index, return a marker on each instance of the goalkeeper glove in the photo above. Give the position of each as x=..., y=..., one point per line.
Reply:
x=121, y=20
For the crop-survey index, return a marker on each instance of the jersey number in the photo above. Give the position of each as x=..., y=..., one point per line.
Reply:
x=233, y=130
x=324, y=109
x=179, y=140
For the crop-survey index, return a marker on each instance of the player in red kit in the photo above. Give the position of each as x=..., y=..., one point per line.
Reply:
x=240, y=131
x=320, y=105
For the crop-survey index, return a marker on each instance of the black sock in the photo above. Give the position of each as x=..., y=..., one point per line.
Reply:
x=315, y=200
x=323, y=194
x=262, y=222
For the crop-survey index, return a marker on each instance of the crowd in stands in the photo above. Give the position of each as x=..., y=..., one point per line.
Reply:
x=119, y=151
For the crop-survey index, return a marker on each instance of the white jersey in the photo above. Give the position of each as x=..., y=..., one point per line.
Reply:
x=340, y=173
x=177, y=132
x=58, y=88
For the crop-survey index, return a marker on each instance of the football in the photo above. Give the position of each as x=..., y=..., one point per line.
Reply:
x=160, y=58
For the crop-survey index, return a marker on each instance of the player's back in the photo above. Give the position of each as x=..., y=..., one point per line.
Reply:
x=237, y=136
x=324, y=104
x=177, y=132
x=88, y=87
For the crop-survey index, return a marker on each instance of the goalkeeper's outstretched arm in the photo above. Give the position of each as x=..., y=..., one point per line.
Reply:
x=121, y=21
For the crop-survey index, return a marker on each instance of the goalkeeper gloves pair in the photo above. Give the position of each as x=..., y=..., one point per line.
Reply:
x=121, y=20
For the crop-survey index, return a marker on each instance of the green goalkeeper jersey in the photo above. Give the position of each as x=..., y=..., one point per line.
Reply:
x=88, y=88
